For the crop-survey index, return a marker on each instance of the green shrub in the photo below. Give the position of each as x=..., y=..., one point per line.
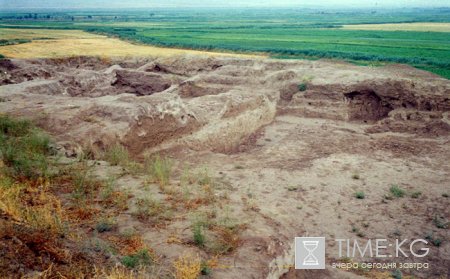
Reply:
x=302, y=87
x=117, y=155
x=140, y=258
x=152, y=210
x=130, y=261
x=84, y=185
x=14, y=127
x=435, y=241
x=397, y=191
x=110, y=185
x=105, y=225
x=199, y=237
x=397, y=274
x=440, y=222
x=159, y=169
x=204, y=178
x=23, y=148
x=360, y=195
x=205, y=268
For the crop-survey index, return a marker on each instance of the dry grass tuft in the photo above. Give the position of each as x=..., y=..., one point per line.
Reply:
x=117, y=155
x=228, y=240
x=149, y=209
x=118, y=272
x=44, y=214
x=128, y=243
x=187, y=267
x=160, y=170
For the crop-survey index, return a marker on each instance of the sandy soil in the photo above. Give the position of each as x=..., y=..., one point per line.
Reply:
x=288, y=159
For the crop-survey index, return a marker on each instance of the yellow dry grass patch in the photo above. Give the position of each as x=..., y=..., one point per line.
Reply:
x=45, y=214
x=36, y=34
x=187, y=267
x=416, y=26
x=79, y=43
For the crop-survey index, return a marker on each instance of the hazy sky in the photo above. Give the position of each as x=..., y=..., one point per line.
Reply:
x=12, y=4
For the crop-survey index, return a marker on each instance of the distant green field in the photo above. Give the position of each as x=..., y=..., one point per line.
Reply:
x=291, y=34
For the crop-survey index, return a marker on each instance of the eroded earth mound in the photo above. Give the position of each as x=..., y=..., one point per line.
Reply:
x=214, y=104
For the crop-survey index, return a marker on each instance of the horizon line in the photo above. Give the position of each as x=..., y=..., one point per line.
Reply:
x=232, y=7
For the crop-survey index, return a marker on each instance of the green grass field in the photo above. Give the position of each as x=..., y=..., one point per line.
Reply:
x=290, y=34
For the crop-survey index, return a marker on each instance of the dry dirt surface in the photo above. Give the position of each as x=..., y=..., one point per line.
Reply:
x=291, y=143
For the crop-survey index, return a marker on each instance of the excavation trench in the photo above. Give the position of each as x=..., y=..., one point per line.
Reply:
x=366, y=106
x=204, y=103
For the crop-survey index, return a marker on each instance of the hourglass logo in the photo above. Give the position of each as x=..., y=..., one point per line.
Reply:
x=310, y=253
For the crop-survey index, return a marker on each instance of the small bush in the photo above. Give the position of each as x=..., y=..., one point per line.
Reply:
x=302, y=87
x=437, y=242
x=23, y=148
x=149, y=209
x=199, y=237
x=203, y=178
x=397, y=274
x=208, y=184
x=205, y=268
x=226, y=240
x=109, y=187
x=13, y=127
x=397, y=191
x=105, y=225
x=440, y=222
x=160, y=170
x=83, y=184
x=355, y=176
x=360, y=195
x=117, y=155
x=140, y=258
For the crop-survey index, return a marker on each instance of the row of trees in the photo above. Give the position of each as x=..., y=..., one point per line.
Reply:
x=37, y=16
